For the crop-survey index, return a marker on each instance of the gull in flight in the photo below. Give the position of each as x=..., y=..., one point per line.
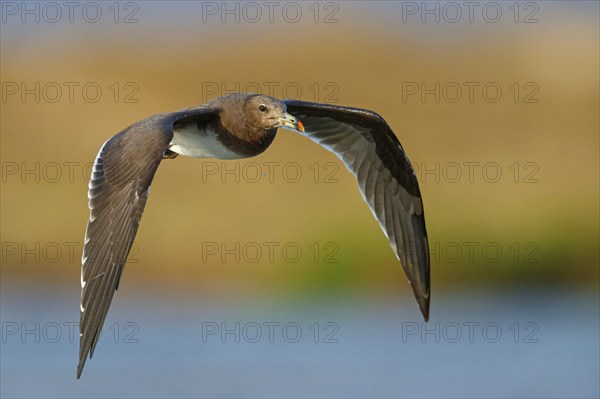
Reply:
x=237, y=126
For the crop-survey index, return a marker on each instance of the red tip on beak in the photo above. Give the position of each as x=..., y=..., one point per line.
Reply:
x=300, y=126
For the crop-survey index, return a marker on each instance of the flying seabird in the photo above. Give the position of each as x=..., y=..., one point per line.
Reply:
x=237, y=126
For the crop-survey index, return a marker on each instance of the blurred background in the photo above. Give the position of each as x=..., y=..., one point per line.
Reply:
x=268, y=277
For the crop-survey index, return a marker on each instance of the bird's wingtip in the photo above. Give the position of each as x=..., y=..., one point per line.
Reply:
x=425, y=315
x=424, y=306
x=80, y=367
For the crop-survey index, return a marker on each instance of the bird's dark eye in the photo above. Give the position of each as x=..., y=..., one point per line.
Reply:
x=262, y=108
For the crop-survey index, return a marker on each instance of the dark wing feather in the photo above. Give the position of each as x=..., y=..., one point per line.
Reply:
x=118, y=191
x=370, y=150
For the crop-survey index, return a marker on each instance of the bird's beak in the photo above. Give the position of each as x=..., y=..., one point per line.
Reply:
x=290, y=122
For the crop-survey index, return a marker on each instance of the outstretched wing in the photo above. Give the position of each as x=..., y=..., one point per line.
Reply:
x=370, y=150
x=118, y=191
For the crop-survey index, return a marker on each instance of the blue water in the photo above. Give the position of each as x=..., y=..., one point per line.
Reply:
x=371, y=347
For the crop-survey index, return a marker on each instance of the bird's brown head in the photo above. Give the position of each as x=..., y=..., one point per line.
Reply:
x=255, y=118
x=267, y=114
